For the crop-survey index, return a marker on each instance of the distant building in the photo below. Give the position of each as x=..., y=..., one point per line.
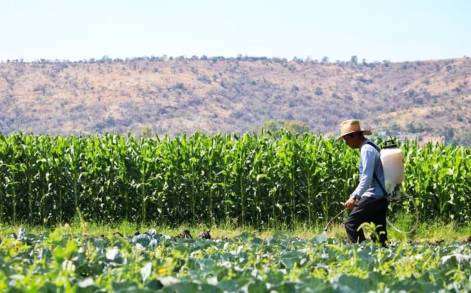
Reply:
x=422, y=138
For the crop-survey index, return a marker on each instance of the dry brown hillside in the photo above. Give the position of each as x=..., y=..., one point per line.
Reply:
x=174, y=95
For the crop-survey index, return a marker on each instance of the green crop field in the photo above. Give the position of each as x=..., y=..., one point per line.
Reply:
x=265, y=182
x=64, y=261
x=260, y=180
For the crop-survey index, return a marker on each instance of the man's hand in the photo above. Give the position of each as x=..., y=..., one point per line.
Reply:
x=350, y=203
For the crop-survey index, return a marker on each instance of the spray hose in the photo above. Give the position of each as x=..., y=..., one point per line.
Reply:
x=392, y=202
x=331, y=220
x=416, y=222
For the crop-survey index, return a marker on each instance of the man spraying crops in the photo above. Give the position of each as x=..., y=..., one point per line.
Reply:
x=368, y=201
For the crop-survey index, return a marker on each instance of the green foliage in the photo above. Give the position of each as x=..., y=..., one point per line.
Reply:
x=464, y=138
x=415, y=127
x=261, y=180
x=154, y=261
x=393, y=127
x=293, y=126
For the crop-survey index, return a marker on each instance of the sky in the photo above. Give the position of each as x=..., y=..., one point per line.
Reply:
x=376, y=30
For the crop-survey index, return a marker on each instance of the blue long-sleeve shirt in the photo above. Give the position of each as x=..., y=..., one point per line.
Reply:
x=370, y=161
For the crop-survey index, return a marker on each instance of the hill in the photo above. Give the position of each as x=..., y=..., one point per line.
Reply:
x=174, y=95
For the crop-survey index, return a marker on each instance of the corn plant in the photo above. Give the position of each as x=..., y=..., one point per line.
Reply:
x=262, y=180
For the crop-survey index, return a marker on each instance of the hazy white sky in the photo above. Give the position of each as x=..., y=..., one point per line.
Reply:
x=395, y=30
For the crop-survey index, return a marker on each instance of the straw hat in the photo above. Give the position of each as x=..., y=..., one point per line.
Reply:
x=351, y=126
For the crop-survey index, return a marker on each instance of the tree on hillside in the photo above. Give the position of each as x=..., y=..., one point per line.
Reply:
x=354, y=60
x=294, y=126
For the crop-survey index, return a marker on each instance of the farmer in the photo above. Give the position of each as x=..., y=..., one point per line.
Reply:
x=368, y=201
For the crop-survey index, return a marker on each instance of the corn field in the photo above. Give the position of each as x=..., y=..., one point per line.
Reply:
x=262, y=180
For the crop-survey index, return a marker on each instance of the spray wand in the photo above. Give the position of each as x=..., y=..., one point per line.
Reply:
x=331, y=220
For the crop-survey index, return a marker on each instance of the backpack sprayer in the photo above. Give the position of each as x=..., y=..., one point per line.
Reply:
x=392, y=160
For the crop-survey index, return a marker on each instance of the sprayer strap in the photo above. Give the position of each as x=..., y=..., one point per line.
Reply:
x=381, y=185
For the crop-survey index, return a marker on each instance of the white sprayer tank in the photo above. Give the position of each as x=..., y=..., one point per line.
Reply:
x=393, y=166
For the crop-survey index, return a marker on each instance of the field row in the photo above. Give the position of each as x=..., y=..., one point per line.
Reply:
x=150, y=261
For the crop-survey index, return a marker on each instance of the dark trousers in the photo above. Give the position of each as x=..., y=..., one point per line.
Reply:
x=370, y=210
